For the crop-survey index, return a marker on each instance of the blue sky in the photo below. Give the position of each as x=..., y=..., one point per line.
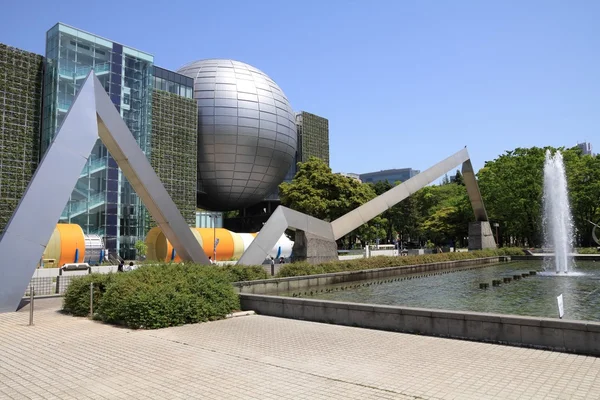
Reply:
x=403, y=83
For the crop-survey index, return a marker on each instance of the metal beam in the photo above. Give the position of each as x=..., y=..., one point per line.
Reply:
x=473, y=191
x=282, y=219
x=31, y=225
x=363, y=214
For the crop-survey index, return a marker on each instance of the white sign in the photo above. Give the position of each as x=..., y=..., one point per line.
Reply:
x=561, y=309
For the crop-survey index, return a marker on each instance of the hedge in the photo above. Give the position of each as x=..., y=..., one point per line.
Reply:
x=302, y=268
x=157, y=296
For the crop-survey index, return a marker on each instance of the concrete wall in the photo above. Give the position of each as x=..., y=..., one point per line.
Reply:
x=286, y=285
x=569, y=336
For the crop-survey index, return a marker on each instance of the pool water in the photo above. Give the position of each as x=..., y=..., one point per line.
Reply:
x=533, y=296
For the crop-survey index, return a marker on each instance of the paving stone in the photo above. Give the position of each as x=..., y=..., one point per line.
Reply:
x=258, y=357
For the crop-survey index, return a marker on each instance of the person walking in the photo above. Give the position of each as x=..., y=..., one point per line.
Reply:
x=272, y=266
x=120, y=267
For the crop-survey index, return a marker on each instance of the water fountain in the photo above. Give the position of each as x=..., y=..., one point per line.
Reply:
x=557, y=220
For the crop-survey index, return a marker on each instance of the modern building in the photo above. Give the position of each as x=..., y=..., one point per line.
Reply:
x=220, y=134
x=586, y=148
x=351, y=175
x=390, y=175
x=156, y=104
x=313, y=137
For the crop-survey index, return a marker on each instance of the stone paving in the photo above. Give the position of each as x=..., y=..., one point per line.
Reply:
x=257, y=357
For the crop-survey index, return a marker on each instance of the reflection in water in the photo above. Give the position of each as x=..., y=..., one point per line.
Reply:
x=534, y=295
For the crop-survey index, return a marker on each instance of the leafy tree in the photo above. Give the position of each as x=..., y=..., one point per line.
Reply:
x=402, y=219
x=444, y=213
x=512, y=189
x=315, y=190
x=141, y=248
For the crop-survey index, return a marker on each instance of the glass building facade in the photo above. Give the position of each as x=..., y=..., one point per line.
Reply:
x=102, y=202
x=173, y=82
x=390, y=175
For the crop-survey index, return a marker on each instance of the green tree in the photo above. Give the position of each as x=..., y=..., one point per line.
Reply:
x=315, y=190
x=141, y=248
x=444, y=213
x=512, y=189
x=583, y=176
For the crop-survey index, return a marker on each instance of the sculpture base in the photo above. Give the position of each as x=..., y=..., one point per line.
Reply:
x=313, y=249
x=481, y=236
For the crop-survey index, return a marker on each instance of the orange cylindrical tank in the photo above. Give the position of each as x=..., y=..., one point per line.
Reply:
x=230, y=244
x=66, y=245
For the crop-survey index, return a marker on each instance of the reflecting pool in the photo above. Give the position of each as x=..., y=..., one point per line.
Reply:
x=533, y=296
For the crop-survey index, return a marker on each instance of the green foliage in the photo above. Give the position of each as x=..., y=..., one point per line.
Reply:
x=141, y=248
x=317, y=191
x=157, y=296
x=512, y=189
x=240, y=273
x=300, y=269
x=588, y=250
x=77, y=296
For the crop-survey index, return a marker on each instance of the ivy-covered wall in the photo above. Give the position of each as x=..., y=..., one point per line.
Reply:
x=174, y=149
x=21, y=80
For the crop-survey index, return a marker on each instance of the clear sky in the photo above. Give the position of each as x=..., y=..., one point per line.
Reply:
x=403, y=83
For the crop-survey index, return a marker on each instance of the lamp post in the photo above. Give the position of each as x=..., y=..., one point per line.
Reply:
x=496, y=225
x=214, y=221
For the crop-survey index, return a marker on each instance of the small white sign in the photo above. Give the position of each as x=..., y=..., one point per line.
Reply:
x=561, y=308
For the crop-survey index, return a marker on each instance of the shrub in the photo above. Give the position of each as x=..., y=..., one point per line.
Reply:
x=157, y=296
x=299, y=269
x=239, y=273
x=77, y=296
x=588, y=250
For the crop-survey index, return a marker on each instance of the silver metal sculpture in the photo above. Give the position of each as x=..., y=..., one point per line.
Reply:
x=480, y=233
x=246, y=133
x=92, y=115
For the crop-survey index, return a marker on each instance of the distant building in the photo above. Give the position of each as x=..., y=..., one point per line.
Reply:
x=586, y=148
x=313, y=137
x=351, y=175
x=390, y=175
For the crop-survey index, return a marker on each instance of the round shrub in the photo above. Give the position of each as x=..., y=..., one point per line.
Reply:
x=158, y=296
x=77, y=295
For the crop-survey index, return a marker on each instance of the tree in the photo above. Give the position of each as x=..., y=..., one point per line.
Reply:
x=512, y=190
x=583, y=176
x=444, y=212
x=315, y=190
x=402, y=218
x=141, y=248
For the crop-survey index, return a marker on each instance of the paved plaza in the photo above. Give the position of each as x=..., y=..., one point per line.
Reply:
x=258, y=357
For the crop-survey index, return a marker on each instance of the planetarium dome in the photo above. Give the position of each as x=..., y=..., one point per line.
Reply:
x=246, y=133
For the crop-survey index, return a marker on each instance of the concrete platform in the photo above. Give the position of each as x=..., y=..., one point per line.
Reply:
x=257, y=357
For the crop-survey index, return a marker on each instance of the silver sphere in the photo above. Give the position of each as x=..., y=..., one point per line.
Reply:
x=246, y=133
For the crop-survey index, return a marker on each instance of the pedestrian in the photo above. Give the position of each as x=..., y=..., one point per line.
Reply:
x=272, y=266
x=211, y=260
x=121, y=265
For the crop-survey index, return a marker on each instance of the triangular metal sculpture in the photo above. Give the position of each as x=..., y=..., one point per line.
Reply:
x=324, y=234
x=92, y=115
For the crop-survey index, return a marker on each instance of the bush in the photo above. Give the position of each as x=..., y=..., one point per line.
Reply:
x=77, y=296
x=157, y=296
x=299, y=269
x=588, y=250
x=239, y=273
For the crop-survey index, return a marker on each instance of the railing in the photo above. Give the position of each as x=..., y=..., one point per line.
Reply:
x=79, y=72
x=76, y=208
x=96, y=164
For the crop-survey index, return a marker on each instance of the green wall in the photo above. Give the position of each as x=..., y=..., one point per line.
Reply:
x=174, y=149
x=21, y=80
